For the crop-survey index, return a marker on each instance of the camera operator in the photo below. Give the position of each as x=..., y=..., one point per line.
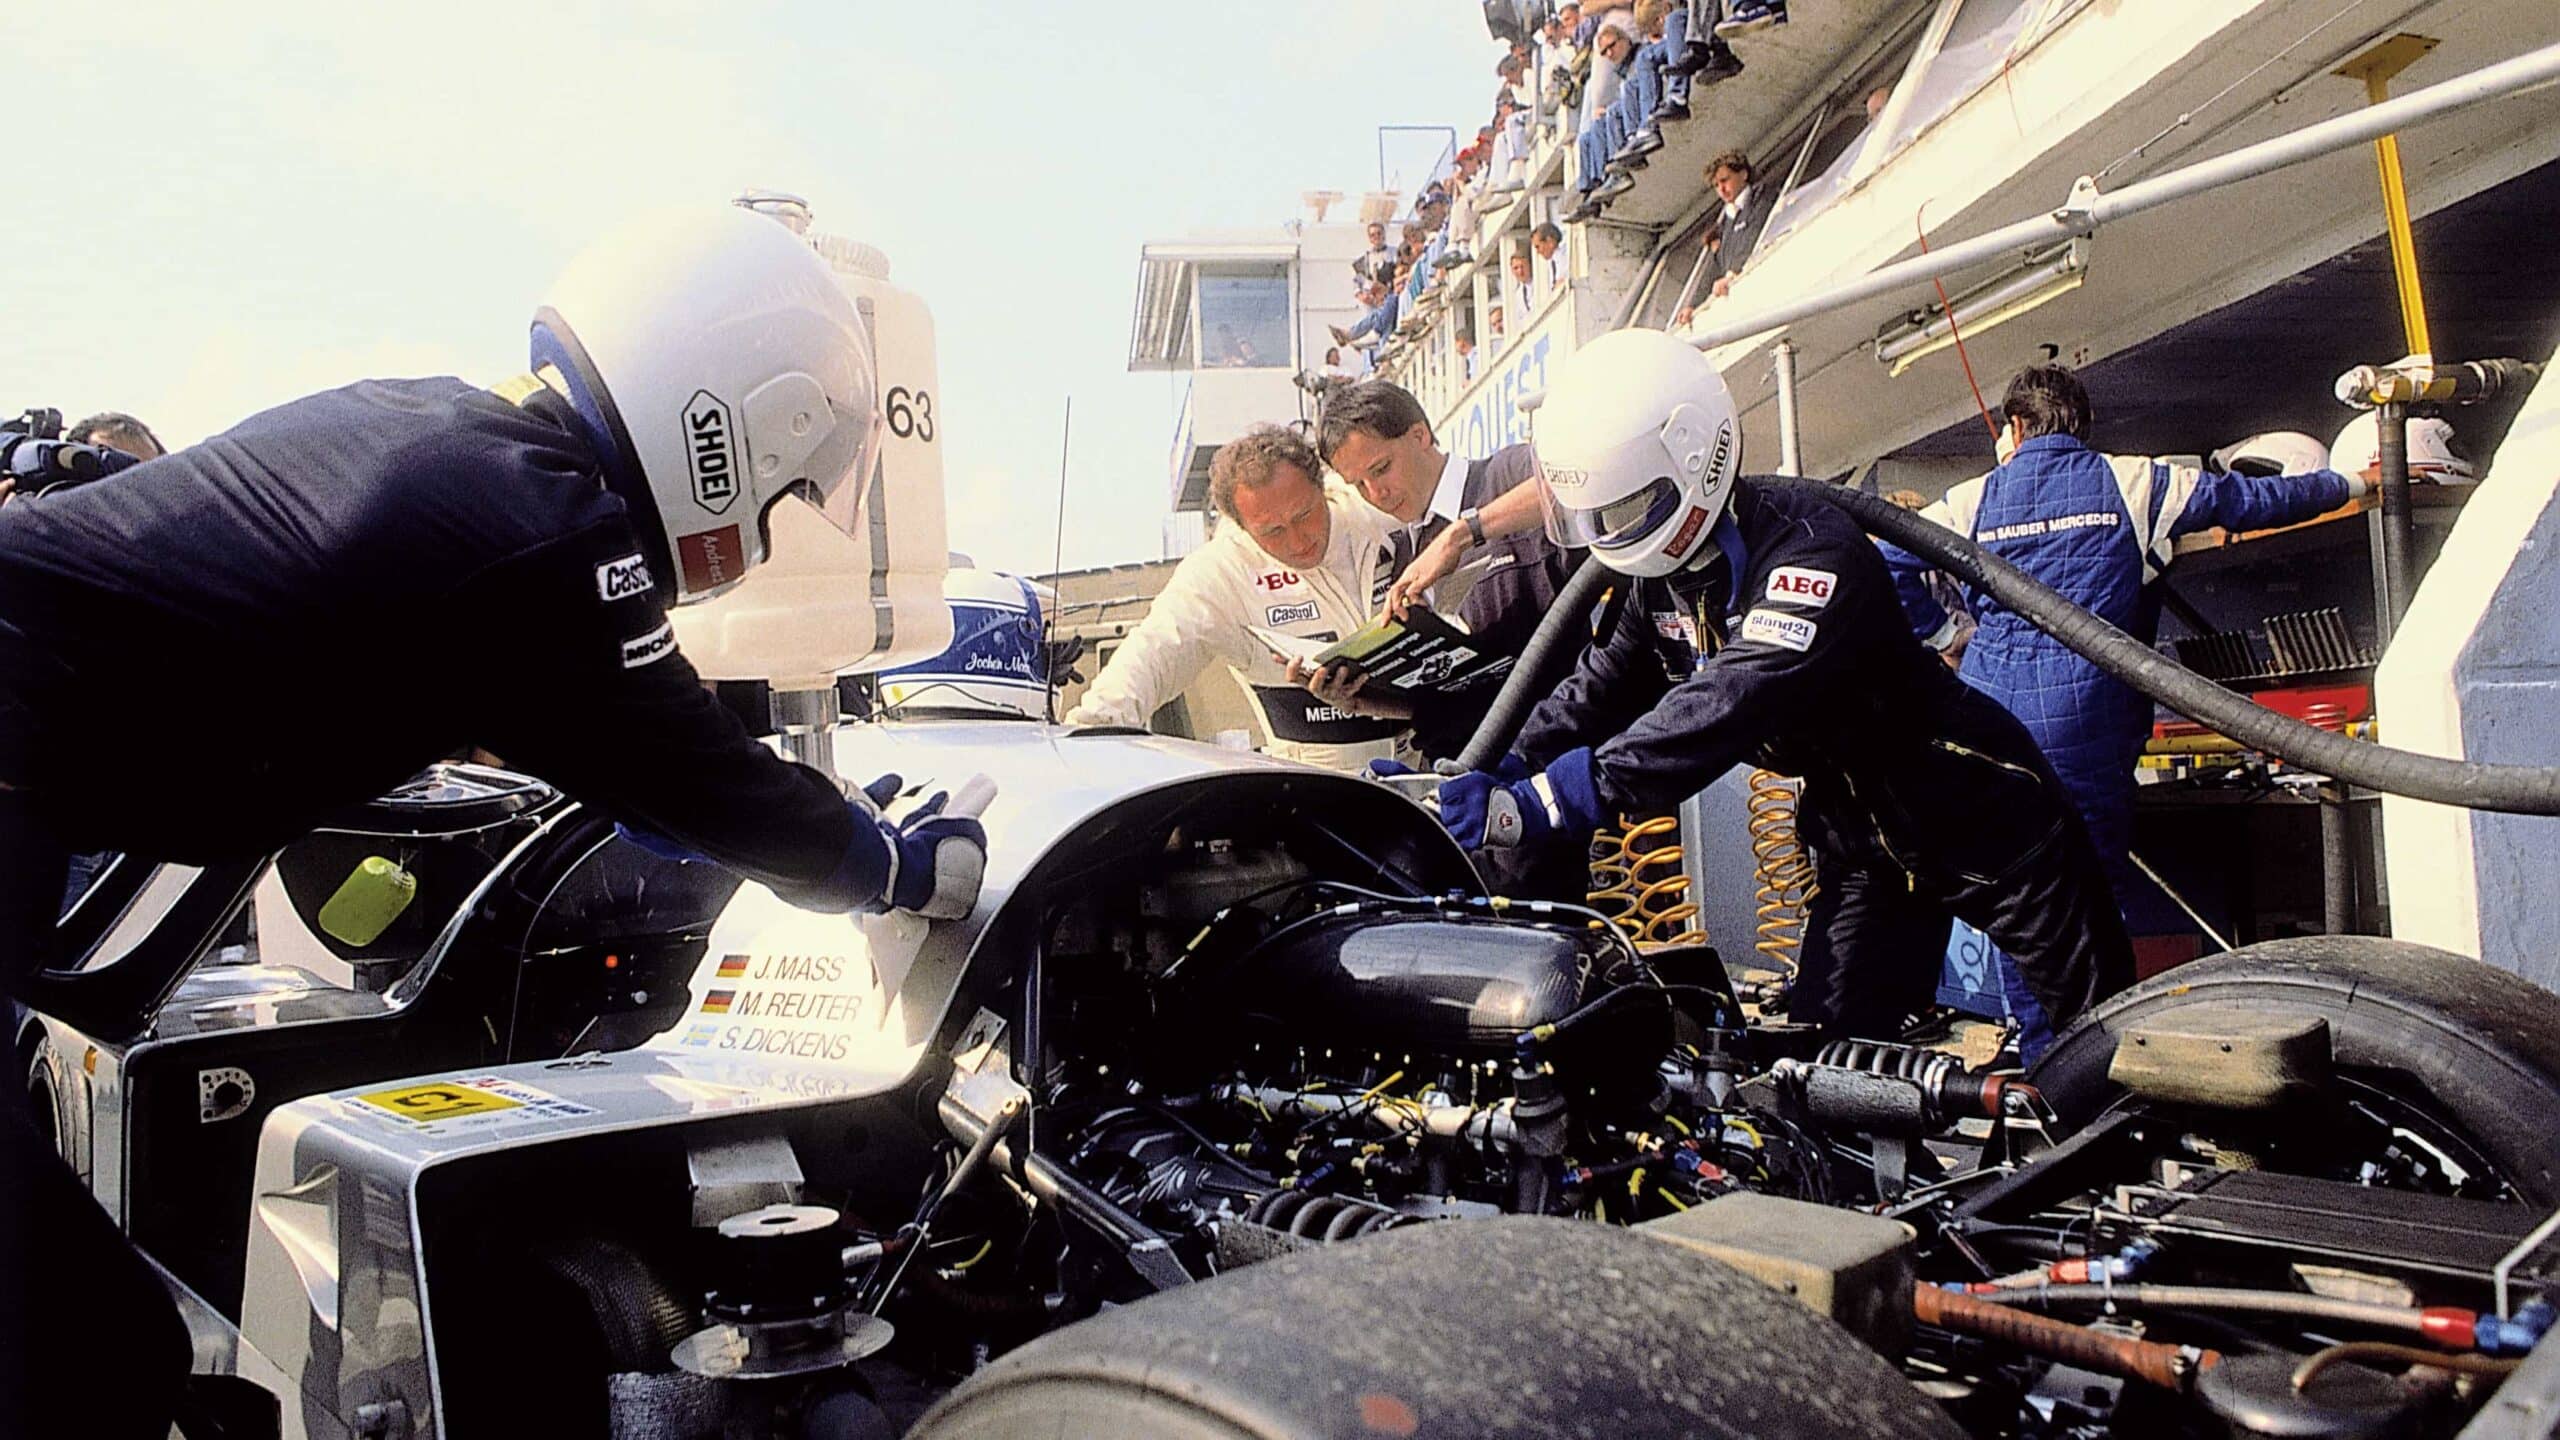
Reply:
x=115, y=430
x=35, y=456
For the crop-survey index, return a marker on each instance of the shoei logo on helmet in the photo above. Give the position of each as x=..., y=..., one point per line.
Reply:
x=1563, y=479
x=1687, y=535
x=1723, y=453
x=708, y=452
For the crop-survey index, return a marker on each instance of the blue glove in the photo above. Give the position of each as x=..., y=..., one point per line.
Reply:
x=1507, y=806
x=937, y=862
x=1386, y=769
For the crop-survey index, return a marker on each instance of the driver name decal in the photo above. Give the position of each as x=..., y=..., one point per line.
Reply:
x=802, y=1005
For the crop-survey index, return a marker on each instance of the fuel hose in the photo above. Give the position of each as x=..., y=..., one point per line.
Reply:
x=2514, y=789
x=1556, y=645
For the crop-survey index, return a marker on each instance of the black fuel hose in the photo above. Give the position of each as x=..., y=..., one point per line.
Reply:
x=1557, y=644
x=2514, y=789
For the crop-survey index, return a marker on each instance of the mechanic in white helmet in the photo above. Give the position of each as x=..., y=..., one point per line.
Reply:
x=204, y=655
x=1762, y=624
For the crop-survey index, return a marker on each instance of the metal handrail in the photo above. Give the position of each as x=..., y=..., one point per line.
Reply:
x=2088, y=209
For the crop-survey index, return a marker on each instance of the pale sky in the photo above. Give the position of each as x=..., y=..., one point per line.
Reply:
x=217, y=207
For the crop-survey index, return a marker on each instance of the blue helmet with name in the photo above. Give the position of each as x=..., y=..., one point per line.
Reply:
x=997, y=663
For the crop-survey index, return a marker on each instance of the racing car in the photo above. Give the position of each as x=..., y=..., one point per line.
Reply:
x=1237, y=1108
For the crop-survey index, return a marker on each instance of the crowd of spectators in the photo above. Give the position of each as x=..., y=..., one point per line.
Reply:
x=1625, y=72
x=1605, y=77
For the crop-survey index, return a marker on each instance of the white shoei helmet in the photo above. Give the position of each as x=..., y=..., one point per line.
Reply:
x=2277, y=452
x=719, y=368
x=1637, y=452
x=2358, y=449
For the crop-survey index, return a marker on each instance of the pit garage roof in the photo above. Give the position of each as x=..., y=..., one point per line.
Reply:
x=2492, y=281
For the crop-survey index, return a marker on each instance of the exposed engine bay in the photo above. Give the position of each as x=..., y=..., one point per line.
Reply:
x=1240, y=1048
x=1217, y=1051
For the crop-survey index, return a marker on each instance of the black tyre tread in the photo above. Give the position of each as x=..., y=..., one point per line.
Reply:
x=1522, y=1326
x=2484, y=1044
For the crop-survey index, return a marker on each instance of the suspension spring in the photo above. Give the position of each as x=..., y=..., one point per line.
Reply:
x=1881, y=1057
x=1782, y=867
x=1641, y=884
x=1322, y=1217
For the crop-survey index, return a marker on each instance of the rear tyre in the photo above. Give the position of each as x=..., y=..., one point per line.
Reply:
x=2474, y=1045
x=1523, y=1326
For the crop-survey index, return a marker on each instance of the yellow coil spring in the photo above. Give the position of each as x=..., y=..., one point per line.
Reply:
x=1637, y=881
x=1782, y=866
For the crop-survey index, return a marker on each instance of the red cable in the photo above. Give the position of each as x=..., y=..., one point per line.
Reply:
x=1948, y=308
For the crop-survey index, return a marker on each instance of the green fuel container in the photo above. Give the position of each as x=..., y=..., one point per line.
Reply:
x=372, y=896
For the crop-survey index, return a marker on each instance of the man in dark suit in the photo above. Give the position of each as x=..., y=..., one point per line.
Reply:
x=1375, y=435
x=1746, y=209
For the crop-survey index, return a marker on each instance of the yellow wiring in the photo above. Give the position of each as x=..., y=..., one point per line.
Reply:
x=1670, y=1199
x=1674, y=1122
x=1746, y=1128
x=1372, y=1092
x=1599, y=1210
x=1783, y=868
x=974, y=1259
x=1635, y=1184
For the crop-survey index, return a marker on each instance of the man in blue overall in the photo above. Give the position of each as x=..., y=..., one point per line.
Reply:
x=2099, y=529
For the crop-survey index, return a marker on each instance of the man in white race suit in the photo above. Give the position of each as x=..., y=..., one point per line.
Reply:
x=1295, y=554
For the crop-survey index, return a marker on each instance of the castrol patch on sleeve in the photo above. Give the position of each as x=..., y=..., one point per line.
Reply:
x=622, y=579
x=1796, y=585
x=1772, y=628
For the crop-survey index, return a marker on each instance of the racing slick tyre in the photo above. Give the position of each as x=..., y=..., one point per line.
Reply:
x=2475, y=1046
x=1521, y=1326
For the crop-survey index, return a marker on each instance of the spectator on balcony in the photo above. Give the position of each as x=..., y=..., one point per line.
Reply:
x=1522, y=293
x=1614, y=47
x=1493, y=327
x=1556, y=79
x=1374, y=260
x=1655, y=92
x=1466, y=347
x=1378, y=323
x=1746, y=210
x=1749, y=16
x=1548, y=241
x=1510, y=170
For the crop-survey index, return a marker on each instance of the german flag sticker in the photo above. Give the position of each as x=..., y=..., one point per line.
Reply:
x=733, y=967
x=717, y=1002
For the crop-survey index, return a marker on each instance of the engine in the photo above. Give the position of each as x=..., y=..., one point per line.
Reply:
x=1317, y=1062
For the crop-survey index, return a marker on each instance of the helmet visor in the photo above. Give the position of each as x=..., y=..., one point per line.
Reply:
x=840, y=471
x=1620, y=522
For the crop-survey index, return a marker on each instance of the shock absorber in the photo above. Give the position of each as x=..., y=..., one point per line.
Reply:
x=1878, y=1086
x=1640, y=883
x=1783, y=868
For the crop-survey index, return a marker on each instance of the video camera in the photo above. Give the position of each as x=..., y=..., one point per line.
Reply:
x=34, y=454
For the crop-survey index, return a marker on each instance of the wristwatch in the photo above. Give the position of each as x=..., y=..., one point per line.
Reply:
x=1473, y=519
